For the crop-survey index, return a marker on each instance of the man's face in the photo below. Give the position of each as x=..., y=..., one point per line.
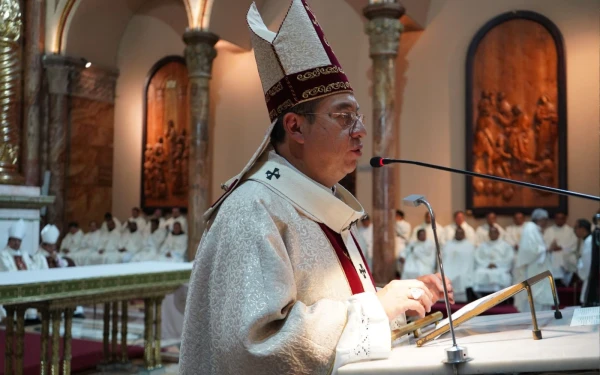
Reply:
x=158, y=213
x=491, y=218
x=110, y=224
x=580, y=232
x=543, y=223
x=176, y=212
x=135, y=213
x=460, y=234
x=176, y=228
x=49, y=247
x=427, y=218
x=459, y=218
x=73, y=230
x=560, y=219
x=93, y=226
x=329, y=148
x=421, y=235
x=366, y=222
x=494, y=233
x=14, y=243
x=518, y=219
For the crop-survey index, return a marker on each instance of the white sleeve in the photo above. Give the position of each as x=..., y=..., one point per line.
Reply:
x=585, y=262
x=367, y=333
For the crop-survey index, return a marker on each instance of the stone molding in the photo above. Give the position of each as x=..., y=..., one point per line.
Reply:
x=200, y=52
x=384, y=28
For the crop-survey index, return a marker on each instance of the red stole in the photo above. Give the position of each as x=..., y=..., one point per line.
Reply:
x=21, y=266
x=352, y=276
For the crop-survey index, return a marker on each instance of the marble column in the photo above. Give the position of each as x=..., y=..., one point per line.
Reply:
x=58, y=74
x=384, y=29
x=199, y=54
x=35, y=17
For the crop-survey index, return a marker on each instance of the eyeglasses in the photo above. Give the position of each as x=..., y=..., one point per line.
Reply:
x=348, y=120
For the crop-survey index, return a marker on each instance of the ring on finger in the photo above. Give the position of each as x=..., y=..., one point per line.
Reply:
x=416, y=293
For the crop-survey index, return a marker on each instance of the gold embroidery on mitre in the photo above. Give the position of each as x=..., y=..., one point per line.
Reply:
x=273, y=90
x=272, y=114
x=285, y=105
x=317, y=73
x=325, y=89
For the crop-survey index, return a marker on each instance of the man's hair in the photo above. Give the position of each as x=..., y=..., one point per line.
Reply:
x=155, y=221
x=278, y=133
x=400, y=213
x=108, y=216
x=136, y=209
x=458, y=212
x=585, y=224
x=420, y=230
x=73, y=224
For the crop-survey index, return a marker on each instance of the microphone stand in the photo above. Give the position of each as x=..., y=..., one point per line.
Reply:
x=456, y=354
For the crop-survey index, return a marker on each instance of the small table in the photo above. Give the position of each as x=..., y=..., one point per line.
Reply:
x=498, y=344
x=59, y=290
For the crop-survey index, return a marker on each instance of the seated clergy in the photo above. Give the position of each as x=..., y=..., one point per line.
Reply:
x=13, y=258
x=47, y=254
x=429, y=230
x=459, y=263
x=176, y=216
x=175, y=247
x=419, y=257
x=130, y=244
x=108, y=216
x=158, y=215
x=564, y=236
x=459, y=221
x=482, y=232
x=493, y=263
x=152, y=243
x=108, y=246
x=89, y=246
x=71, y=244
x=138, y=218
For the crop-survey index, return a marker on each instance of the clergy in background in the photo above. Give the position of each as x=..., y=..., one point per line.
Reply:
x=458, y=256
x=130, y=244
x=482, y=232
x=138, y=218
x=90, y=244
x=403, y=229
x=583, y=229
x=12, y=258
x=158, y=215
x=426, y=225
x=175, y=246
x=47, y=254
x=365, y=235
x=564, y=236
x=419, y=256
x=513, y=232
x=534, y=258
x=176, y=217
x=493, y=264
x=108, y=217
x=152, y=243
x=108, y=247
x=459, y=221
x=279, y=284
x=70, y=245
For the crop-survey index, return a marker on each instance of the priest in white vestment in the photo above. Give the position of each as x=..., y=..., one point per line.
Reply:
x=459, y=221
x=534, y=258
x=493, y=264
x=564, y=236
x=47, y=255
x=584, y=265
x=419, y=256
x=70, y=245
x=403, y=229
x=174, y=248
x=130, y=244
x=138, y=218
x=108, y=247
x=458, y=256
x=279, y=284
x=513, y=231
x=365, y=237
x=90, y=244
x=13, y=258
x=158, y=215
x=176, y=216
x=482, y=232
x=152, y=243
x=107, y=217
x=426, y=225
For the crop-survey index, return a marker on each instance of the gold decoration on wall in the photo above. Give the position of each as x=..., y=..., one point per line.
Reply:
x=10, y=83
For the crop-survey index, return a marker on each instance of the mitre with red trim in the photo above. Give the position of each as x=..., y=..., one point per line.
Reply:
x=296, y=64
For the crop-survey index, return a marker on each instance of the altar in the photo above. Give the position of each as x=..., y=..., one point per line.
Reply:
x=498, y=344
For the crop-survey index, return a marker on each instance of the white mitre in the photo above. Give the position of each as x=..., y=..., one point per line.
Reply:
x=17, y=230
x=50, y=234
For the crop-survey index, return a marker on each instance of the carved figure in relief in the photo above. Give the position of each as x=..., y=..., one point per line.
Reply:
x=546, y=127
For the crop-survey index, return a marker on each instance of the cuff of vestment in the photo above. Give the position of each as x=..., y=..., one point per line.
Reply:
x=367, y=332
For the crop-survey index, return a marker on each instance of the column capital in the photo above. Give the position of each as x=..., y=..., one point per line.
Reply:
x=384, y=28
x=200, y=52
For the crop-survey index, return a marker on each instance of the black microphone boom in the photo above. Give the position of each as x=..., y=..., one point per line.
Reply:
x=377, y=162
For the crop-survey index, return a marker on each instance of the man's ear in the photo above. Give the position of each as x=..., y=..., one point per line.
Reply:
x=292, y=124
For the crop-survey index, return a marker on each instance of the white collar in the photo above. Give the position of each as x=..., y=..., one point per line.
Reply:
x=14, y=253
x=286, y=162
x=316, y=201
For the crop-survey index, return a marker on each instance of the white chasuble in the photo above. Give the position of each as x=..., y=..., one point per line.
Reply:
x=500, y=256
x=420, y=259
x=90, y=244
x=273, y=290
x=459, y=263
x=174, y=248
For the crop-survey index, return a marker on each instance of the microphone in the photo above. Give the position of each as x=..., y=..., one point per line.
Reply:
x=378, y=162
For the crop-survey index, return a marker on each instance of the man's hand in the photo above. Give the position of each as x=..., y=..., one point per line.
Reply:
x=492, y=266
x=554, y=247
x=168, y=254
x=101, y=251
x=66, y=251
x=397, y=298
x=122, y=250
x=434, y=284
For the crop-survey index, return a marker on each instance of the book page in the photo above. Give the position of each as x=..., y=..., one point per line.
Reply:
x=586, y=316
